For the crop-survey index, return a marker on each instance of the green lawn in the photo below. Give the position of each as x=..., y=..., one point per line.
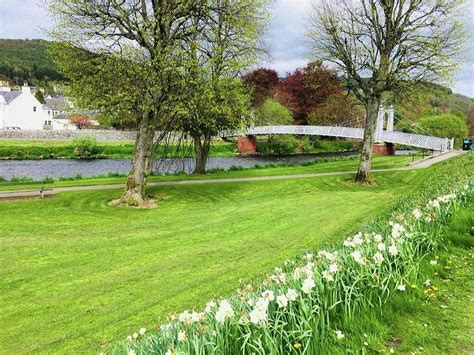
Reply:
x=77, y=274
x=42, y=149
x=320, y=166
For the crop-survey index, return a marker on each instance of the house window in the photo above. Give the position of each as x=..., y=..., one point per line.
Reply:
x=49, y=123
x=45, y=122
x=34, y=108
x=49, y=113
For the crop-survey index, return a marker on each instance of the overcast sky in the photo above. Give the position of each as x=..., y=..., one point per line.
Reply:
x=25, y=18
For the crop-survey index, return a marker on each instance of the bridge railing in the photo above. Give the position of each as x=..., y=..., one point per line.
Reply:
x=417, y=140
x=414, y=140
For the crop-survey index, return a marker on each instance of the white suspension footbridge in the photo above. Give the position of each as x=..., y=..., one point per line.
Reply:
x=384, y=133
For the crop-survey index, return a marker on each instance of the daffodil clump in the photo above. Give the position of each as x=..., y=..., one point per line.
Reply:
x=300, y=305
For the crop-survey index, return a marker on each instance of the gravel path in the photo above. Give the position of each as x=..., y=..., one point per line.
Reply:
x=421, y=164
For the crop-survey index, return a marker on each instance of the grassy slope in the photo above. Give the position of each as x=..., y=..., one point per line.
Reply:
x=416, y=321
x=349, y=164
x=77, y=273
x=436, y=329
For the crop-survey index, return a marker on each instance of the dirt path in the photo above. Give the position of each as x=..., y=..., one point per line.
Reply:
x=421, y=164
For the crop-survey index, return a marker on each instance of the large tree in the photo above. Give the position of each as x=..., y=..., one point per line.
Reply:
x=226, y=42
x=131, y=51
x=384, y=45
x=306, y=88
x=262, y=82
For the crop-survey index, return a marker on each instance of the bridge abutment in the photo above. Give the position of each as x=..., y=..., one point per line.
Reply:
x=247, y=145
x=384, y=148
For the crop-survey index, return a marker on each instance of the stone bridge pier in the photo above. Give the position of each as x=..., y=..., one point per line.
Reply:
x=247, y=145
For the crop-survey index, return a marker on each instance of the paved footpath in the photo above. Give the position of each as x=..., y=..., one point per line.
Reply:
x=420, y=164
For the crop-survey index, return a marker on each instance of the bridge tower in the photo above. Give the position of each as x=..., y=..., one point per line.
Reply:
x=384, y=116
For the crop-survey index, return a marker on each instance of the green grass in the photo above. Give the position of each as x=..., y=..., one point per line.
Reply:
x=320, y=166
x=78, y=274
x=41, y=149
x=441, y=321
x=429, y=320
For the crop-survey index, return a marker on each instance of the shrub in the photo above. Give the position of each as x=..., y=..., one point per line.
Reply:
x=444, y=126
x=303, y=306
x=86, y=147
x=80, y=121
x=274, y=113
x=279, y=144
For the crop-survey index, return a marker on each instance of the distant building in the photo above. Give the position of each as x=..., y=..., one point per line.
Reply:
x=56, y=112
x=20, y=109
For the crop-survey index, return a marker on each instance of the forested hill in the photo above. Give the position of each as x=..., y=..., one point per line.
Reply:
x=27, y=61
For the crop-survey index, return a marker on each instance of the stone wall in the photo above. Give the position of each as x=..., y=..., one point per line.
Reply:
x=99, y=134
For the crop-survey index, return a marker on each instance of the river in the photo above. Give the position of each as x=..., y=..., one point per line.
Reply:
x=40, y=169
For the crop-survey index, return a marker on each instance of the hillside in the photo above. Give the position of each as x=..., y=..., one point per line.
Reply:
x=433, y=99
x=27, y=61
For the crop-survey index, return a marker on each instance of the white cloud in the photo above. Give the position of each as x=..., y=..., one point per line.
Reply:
x=22, y=19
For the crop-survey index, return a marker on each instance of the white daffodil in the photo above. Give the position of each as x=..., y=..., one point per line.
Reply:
x=333, y=267
x=416, y=213
x=262, y=304
x=433, y=262
x=182, y=336
x=169, y=352
x=428, y=219
x=349, y=243
x=308, y=285
x=427, y=283
x=339, y=335
x=257, y=316
x=378, y=258
x=210, y=306
x=378, y=238
x=131, y=352
x=327, y=275
x=291, y=294
x=357, y=239
x=297, y=273
x=358, y=257
x=268, y=295
x=282, y=301
x=401, y=287
x=224, y=311
x=381, y=247
x=392, y=249
x=308, y=256
x=142, y=331
x=397, y=230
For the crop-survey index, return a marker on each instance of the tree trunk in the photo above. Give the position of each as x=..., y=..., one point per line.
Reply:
x=201, y=149
x=134, y=194
x=364, y=172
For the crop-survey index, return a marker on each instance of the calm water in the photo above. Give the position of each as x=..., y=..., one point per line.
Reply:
x=40, y=169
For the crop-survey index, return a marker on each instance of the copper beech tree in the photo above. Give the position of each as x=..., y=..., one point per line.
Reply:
x=385, y=45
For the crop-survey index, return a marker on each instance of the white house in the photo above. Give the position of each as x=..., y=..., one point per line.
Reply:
x=20, y=109
x=55, y=110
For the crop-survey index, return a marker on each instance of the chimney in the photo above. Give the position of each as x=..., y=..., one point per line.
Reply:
x=25, y=89
x=4, y=86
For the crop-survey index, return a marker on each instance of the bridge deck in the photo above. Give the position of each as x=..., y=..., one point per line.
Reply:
x=414, y=140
